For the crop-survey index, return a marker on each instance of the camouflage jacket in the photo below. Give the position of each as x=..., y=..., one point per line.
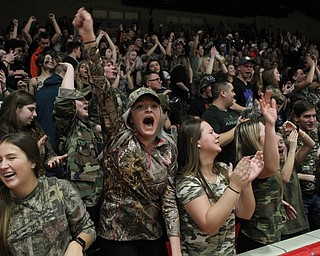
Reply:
x=267, y=222
x=194, y=241
x=139, y=186
x=44, y=222
x=83, y=144
x=308, y=166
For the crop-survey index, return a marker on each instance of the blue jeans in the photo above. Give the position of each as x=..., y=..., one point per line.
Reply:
x=311, y=203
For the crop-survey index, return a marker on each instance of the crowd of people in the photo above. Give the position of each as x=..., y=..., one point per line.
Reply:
x=116, y=141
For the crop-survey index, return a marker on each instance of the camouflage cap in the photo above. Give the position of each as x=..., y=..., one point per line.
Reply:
x=135, y=95
x=207, y=80
x=76, y=95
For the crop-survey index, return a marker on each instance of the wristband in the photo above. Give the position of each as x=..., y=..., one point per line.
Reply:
x=235, y=191
x=80, y=241
x=4, y=91
x=89, y=42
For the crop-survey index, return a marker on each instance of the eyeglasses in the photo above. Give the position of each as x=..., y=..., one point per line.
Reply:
x=156, y=79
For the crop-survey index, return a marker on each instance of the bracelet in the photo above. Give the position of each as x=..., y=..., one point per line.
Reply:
x=89, y=42
x=5, y=90
x=235, y=191
x=80, y=241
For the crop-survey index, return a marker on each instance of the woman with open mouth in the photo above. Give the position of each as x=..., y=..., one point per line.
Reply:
x=139, y=161
x=39, y=215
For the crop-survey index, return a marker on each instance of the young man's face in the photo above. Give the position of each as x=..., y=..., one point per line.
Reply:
x=307, y=120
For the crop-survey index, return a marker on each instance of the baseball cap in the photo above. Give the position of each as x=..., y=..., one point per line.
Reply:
x=206, y=80
x=164, y=102
x=179, y=41
x=135, y=95
x=230, y=36
x=244, y=60
x=75, y=94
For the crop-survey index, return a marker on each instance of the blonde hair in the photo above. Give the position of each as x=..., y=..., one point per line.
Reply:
x=247, y=138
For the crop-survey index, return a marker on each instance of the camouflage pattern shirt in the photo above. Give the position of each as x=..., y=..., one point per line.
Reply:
x=82, y=143
x=308, y=166
x=44, y=222
x=268, y=219
x=194, y=241
x=293, y=195
x=139, y=185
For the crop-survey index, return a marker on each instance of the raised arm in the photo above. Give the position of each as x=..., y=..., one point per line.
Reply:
x=26, y=30
x=195, y=44
x=68, y=80
x=270, y=148
x=308, y=144
x=213, y=53
x=168, y=49
x=309, y=79
x=111, y=117
x=287, y=168
x=57, y=34
x=154, y=47
x=15, y=28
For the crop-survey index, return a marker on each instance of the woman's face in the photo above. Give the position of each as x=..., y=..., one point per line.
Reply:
x=154, y=66
x=108, y=53
x=82, y=108
x=201, y=51
x=281, y=147
x=146, y=114
x=83, y=70
x=132, y=56
x=231, y=70
x=109, y=71
x=16, y=170
x=49, y=62
x=209, y=141
x=26, y=114
x=276, y=75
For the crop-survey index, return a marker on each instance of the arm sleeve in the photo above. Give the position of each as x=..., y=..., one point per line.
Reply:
x=169, y=204
x=78, y=218
x=110, y=116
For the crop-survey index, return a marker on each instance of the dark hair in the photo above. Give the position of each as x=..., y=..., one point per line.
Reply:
x=217, y=88
x=30, y=148
x=27, y=144
x=42, y=55
x=146, y=77
x=44, y=35
x=9, y=122
x=301, y=106
x=189, y=134
x=161, y=75
x=72, y=45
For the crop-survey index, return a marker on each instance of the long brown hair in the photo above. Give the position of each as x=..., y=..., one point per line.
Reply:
x=9, y=122
x=188, y=151
x=30, y=148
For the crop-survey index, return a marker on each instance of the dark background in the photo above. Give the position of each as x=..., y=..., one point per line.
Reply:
x=248, y=8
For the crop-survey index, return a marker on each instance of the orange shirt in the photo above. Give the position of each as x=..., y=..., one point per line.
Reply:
x=34, y=70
